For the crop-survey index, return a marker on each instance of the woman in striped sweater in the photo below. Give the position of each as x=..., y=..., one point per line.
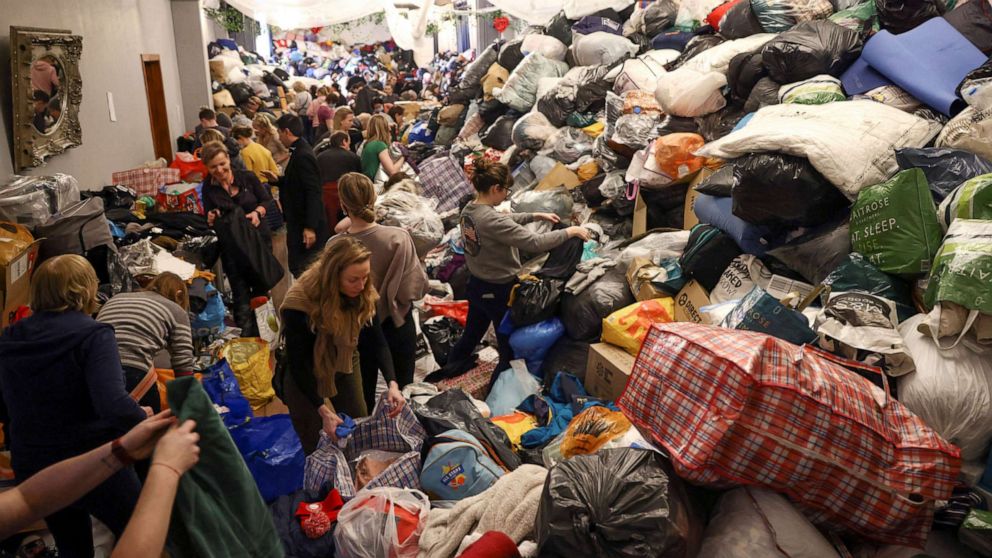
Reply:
x=147, y=322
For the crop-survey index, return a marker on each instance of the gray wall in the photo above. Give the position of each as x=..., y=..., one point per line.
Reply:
x=191, y=30
x=115, y=35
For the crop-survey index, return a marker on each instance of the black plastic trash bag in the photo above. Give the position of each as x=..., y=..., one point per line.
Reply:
x=945, y=168
x=453, y=409
x=672, y=124
x=818, y=251
x=583, y=313
x=743, y=73
x=442, y=333
x=500, y=134
x=659, y=17
x=719, y=184
x=764, y=93
x=739, y=22
x=491, y=110
x=510, y=55
x=591, y=86
x=619, y=502
x=477, y=68
x=715, y=125
x=560, y=28
x=696, y=45
x=810, y=49
x=974, y=21
x=534, y=300
x=781, y=190
x=899, y=16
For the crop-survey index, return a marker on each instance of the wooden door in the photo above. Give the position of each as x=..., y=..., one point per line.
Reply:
x=158, y=116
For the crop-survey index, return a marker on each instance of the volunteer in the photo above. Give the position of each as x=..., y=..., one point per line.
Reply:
x=344, y=121
x=375, y=153
x=223, y=190
x=492, y=240
x=333, y=163
x=63, y=394
x=268, y=137
x=255, y=156
x=62, y=484
x=397, y=275
x=323, y=315
x=147, y=322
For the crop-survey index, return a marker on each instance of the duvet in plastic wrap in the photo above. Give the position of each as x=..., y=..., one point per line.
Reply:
x=749, y=522
x=583, y=313
x=415, y=214
x=620, y=502
x=601, y=48
x=852, y=143
x=969, y=130
x=951, y=390
x=520, y=90
x=642, y=73
x=550, y=47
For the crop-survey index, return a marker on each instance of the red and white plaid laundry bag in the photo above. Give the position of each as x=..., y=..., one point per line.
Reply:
x=741, y=408
x=145, y=182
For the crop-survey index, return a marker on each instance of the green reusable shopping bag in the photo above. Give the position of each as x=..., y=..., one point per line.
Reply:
x=971, y=200
x=894, y=224
x=962, y=270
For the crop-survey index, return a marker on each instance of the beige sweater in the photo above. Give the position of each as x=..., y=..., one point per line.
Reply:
x=397, y=273
x=509, y=506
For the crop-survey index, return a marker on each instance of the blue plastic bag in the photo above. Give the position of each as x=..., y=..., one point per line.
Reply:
x=211, y=321
x=761, y=312
x=273, y=453
x=512, y=386
x=533, y=342
x=422, y=133
x=222, y=387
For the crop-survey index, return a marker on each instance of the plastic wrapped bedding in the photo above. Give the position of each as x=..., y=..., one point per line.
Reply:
x=601, y=48
x=550, y=47
x=969, y=130
x=520, y=90
x=852, y=144
x=473, y=73
x=642, y=73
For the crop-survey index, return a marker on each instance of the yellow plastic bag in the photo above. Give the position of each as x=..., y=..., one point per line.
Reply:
x=587, y=171
x=591, y=430
x=628, y=326
x=249, y=360
x=594, y=130
x=516, y=424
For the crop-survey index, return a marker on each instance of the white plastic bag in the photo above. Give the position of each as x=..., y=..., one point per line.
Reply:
x=601, y=48
x=656, y=247
x=690, y=92
x=512, y=386
x=951, y=390
x=371, y=524
x=520, y=90
x=642, y=73
x=550, y=47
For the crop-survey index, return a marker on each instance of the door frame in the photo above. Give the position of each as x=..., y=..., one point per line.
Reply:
x=158, y=120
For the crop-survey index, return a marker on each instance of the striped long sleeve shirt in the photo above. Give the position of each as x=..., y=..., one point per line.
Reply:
x=145, y=323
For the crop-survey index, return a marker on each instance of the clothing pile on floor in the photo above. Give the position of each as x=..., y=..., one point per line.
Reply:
x=777, y=342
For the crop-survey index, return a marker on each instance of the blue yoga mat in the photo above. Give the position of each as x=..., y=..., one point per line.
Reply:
x=928, y=62
x=718, y=212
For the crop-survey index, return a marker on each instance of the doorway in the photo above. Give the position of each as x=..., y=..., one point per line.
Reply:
x=158, y=116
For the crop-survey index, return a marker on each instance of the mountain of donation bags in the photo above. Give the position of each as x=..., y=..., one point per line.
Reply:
x=779, y=340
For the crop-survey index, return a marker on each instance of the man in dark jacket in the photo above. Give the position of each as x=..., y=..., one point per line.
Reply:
x=334, y=163
x=300, y=194
x=362, y=94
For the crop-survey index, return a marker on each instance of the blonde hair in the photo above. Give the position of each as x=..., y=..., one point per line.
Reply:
x=357, y=195
x=334, y=313
x=210, y=135
x=339, y=115
x=378, y=129
x=172, y=287
x=299, y=87
x=212, y=149
x=262, y=122
x=64, y=283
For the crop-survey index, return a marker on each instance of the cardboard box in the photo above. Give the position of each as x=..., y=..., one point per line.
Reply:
x=690, y=299
x=559, y=176
x=640, y=216
x=16, y=288
x=607, y=370
x=689, y=217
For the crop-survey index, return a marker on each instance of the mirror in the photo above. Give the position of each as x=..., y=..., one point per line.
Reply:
x=47, y=93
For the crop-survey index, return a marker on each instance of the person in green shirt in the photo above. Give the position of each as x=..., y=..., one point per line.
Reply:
x=375, y=153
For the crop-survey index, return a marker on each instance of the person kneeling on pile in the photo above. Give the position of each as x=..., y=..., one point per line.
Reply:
x=323, y=315
x=492, y=240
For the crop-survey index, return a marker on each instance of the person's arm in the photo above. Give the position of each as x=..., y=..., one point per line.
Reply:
x=299, y=353
x=105, y=382
x=510, y=232
x=386, y=160
x=377, y=339
x=522, y=218
x=61, y=484
x=176, y=453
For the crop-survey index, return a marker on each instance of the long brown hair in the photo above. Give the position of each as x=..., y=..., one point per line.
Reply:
x=486, y=174
x=378, y=129
x=357, y=196
x=334, y=313
x=172, y=287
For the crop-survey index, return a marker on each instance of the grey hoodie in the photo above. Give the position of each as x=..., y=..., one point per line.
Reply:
x=492, y=240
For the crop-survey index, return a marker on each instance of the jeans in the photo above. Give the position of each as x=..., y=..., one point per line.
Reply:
x=402, y=343
x=487, y=304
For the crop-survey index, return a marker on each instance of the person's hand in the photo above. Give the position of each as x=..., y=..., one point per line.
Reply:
x=395, y=400
x=253, y=219
x=550, y=217
x=148, y=411
x=579, y=232
x=269, y=175
x=330, y=421
x=140, y=440
x=178, y=448
x=212, y=216
x=309, y=238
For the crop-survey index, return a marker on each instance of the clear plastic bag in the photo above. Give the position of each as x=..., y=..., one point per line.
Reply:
x=416, y=214
x=570, y=144
x=382, y=522
x=532, y=130
x=558, y=201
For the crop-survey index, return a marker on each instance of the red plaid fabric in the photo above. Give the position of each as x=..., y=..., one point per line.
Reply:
x=741, y=408
x=442, y=179
x=145, y=182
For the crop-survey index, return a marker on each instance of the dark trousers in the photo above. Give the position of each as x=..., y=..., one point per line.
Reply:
x=241, y=295
x=402, y=343
x=301, y=257
x=112, y=503
x=486, y=305
x=133, y=377
x=305, y=417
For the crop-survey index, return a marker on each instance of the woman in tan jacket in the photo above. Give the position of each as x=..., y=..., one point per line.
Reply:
x=397, y=274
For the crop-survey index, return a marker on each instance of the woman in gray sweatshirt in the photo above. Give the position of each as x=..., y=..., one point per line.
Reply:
x=492, y=242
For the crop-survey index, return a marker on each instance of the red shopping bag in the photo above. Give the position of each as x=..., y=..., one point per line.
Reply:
x=190, y=167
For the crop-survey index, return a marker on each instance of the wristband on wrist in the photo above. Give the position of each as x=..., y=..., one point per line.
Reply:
x=121, y=454
x=169, y=467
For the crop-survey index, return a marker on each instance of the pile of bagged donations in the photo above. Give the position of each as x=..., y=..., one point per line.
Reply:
x=773, y=337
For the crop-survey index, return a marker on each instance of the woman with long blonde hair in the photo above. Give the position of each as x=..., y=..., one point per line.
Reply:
x=375, y=154
x=323, y=315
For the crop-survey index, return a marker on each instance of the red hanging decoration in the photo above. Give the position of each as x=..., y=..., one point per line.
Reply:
x=315, y=30
x=501, y=23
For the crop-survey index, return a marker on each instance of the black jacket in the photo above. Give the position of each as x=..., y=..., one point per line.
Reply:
x=335, y=162
x=300, y=189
